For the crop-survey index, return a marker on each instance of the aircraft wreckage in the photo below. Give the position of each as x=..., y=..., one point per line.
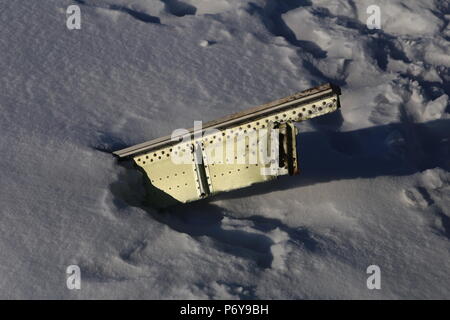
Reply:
x=251, y=146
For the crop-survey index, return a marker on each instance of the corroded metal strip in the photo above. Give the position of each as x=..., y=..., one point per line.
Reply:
x=314, y=96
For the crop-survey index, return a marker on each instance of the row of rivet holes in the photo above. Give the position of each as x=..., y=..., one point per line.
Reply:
x=249, y=126
x=257, y=123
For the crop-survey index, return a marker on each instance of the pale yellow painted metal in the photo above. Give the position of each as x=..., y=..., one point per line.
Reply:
x=177, y=180
x=180, y=181
x=231, y=173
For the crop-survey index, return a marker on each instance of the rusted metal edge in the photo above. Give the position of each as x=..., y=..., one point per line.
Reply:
x=254, y=113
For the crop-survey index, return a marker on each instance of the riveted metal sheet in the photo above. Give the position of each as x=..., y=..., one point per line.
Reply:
x=194, y=180
x=309, y=98
x=177, y=180
x=238, y=166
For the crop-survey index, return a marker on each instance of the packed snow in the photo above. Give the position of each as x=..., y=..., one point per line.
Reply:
x=375, y=181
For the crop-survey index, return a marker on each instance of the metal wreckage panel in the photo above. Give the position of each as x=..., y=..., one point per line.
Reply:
x=226, y=159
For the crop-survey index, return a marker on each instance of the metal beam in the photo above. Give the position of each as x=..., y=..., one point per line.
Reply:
x=317, y=94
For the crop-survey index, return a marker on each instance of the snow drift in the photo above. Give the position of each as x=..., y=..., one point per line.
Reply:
x=375, y=187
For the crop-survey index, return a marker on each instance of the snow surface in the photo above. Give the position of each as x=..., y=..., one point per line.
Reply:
x=375, y=186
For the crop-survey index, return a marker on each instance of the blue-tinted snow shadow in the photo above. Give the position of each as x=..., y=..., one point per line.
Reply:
x=326, y=154
x=396, y=149
x=200, y=220
x=179, y=8
x=136, y=14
